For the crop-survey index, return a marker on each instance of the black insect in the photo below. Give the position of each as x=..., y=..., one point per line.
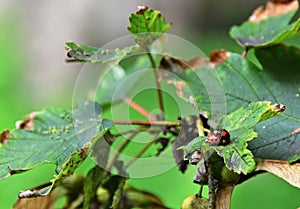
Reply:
x=218, y=137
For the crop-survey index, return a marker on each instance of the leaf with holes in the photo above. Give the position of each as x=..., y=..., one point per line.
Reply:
x=55, y=134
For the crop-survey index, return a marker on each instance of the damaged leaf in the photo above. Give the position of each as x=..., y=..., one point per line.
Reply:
x=52, y=141
x=240, y=125
x=188, y=132
x=81, y=53
x=273, y=9
x=5, y=135
x=275, y=139
x=268, y=26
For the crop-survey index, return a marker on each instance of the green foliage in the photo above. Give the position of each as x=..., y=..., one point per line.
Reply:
x=146, y=25
x=265, y=84
x=78, y=52
x=52, y=140
x=240, y=124
x=268, y=28
x=254, y=97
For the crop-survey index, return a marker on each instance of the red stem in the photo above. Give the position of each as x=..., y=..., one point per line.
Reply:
x=146, y=123
x=139, y=109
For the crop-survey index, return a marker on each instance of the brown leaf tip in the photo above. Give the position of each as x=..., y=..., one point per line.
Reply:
x=279, y=107
x=219, y=56
x=273, y=8
x=296, y=131
x=5, y=135
x=27, y=122
x=142, y=10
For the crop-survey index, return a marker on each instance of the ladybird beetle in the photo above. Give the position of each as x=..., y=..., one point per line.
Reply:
x=218, y=137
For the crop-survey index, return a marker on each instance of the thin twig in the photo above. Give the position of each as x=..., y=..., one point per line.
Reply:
x=200, y=190
x=212, y=188
x=141, y=152
x=119, y=149
x=158, y=87
x=211, y=181
x=244, y=53
x=123, y=133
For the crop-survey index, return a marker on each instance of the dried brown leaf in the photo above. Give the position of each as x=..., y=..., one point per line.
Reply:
x=45, y=202
x=169, y=65
x=224, y=193
x=27, y=122
x=142, y=9
x=219, y=56
x=5, y=136
x=279, y=107
x=272, y=9
x=173, y=64
x=283, y=169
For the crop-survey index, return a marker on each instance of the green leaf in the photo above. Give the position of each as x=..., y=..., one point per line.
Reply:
x=237, y=157
x=245, y=118
x=146, y=25
x=205, y=87
x=268, y=26
x=278, y=137
x=67, y=169
x=193, y=145
x=78, y=52
x=275, y=136
x=56, y=135
x=240, y=125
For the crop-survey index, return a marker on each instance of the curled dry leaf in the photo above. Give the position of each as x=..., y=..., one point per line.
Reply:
x=45, y=202
x=188, y=132
x=142, y=9
x=5, y=136
x=27, y=122
x=272, y=9
x=12, y=171
x=172, y=64
x=283, y=169
x=218, y=56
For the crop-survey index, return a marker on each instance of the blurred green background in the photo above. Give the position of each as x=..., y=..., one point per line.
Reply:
x=33, y=75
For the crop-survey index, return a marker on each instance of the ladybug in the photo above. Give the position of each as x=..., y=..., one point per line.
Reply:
x=218, y=137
